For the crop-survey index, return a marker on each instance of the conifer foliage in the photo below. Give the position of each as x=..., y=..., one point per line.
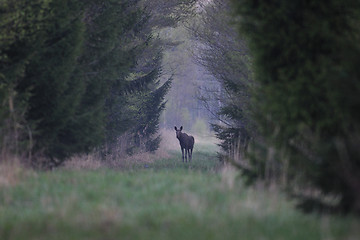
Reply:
x=70, y=70
x=54, y=92
x=306, y=58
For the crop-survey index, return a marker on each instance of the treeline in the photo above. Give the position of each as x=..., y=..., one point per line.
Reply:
x=77, y=75
x=290, y=85
x=183, y=108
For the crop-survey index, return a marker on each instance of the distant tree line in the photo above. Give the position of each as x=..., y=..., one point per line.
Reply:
x=76, y=75
x=183, y=107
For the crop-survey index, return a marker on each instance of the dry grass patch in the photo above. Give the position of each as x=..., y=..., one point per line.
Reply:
x=12, y=172
x=94, y=162
x=85, y=161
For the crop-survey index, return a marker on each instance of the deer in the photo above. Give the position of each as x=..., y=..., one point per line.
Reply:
x=186, y=143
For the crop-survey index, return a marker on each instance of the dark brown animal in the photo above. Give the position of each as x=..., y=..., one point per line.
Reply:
x=186, y=143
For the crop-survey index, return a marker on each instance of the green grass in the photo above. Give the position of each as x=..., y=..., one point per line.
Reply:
x=205, y=162
x=165, y=199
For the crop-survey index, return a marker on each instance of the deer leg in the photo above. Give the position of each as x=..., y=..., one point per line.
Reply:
x=186, y=153
x=190, y=154
x=182, y=151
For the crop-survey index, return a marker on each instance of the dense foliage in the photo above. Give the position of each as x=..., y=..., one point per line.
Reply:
x=306, y=101
x=68, y=72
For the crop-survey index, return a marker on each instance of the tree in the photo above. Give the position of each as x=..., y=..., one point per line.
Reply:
x=224, y=54
x=32, y=34
x=306, y=56
x=128, y=65
x=105, y=63
x=168, y=13
x=54, y=93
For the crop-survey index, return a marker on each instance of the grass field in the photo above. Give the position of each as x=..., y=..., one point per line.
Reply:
x=159, y=199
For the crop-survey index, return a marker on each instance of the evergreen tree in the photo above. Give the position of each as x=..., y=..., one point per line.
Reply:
x=54, y=93
x=149, y=105
x=122, y=60
x=226, y=57
x=135, y=110
x=306, y=57
x=21, y=37
x=104, y=65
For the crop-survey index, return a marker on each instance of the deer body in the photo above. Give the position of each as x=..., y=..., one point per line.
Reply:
x=186, y=143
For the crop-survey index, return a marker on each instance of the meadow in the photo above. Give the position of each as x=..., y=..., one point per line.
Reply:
x=156, y=199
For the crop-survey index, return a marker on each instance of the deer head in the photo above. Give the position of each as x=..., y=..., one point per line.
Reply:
x=178, y=132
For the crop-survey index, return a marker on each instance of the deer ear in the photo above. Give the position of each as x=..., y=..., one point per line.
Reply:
x=180, y=128
x=175, y=128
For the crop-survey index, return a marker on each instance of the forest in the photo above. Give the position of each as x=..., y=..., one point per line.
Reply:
x=90, y=93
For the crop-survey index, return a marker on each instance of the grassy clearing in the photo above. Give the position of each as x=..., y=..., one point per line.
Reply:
x=162, y=199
